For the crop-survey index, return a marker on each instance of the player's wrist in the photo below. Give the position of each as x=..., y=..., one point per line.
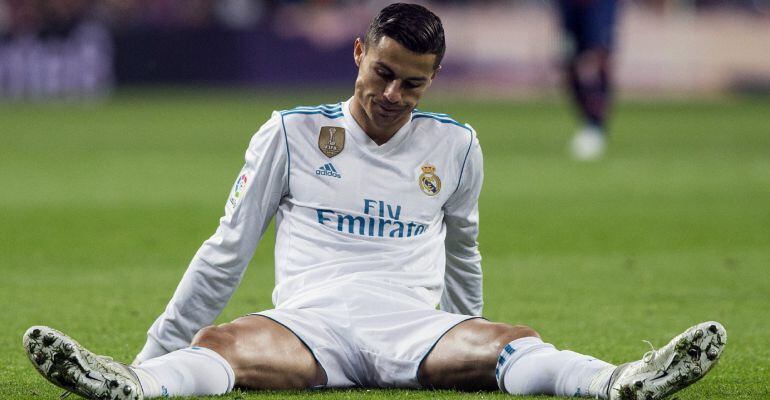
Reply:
x=150, y=350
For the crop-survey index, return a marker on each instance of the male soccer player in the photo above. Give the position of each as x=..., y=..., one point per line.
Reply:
x=376, y=215
x=589, y=25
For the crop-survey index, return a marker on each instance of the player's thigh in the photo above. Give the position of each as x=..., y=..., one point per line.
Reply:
x=263, y=354
x=466, y=356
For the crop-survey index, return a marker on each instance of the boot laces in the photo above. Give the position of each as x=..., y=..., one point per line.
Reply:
x=649, y=356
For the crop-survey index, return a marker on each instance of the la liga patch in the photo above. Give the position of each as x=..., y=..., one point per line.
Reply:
x=238, y=190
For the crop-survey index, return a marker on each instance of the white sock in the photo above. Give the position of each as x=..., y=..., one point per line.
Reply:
x=193, y=371
x=527, y=366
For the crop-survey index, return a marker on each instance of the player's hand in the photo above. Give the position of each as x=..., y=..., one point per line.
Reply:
x=150, y=350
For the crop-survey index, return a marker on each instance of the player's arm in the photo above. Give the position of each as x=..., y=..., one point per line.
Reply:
x=463, y=281
x=218, y=266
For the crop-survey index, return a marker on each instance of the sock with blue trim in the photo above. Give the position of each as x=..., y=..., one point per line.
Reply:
x=527, y=366
x=194, y=371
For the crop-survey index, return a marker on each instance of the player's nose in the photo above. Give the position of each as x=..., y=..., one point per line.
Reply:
x=392, y=91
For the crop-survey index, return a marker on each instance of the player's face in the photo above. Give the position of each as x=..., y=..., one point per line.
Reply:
x=391, y=80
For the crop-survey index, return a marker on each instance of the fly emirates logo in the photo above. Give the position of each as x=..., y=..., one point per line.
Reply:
x=380, y=219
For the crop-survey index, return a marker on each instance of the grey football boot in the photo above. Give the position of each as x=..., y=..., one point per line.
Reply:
x=67, y=364
x=684, y=360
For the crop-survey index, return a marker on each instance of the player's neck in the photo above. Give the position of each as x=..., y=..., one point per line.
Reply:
x=380, y=138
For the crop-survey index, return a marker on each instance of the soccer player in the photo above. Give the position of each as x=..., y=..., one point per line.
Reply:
x=376, y=215
x=589, y=26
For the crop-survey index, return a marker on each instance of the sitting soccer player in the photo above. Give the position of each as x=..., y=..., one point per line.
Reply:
x=376, y=215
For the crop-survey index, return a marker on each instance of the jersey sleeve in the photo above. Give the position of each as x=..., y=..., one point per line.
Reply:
x=218, y=266
x=463, y=279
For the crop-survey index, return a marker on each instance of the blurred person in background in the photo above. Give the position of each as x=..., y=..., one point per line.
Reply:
x=53, y=49
x=589, y=26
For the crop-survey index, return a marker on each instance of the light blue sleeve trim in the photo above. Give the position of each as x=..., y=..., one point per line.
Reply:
x=329, y=108
x=321, y=107
x=442, y=120
x=431, y=113
x=288, y=154
x=329, y=115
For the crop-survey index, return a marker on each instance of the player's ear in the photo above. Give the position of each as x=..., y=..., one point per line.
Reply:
x=435, y=71
x=358, y=51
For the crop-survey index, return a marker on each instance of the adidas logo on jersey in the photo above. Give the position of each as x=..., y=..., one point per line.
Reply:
x=328, y=170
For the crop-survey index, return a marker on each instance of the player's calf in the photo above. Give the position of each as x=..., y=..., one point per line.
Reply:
x=466, y=356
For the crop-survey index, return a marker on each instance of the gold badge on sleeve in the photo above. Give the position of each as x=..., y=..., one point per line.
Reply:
x=331, y=140
x=430, y=183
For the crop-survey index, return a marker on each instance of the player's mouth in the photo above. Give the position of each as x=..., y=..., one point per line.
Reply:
x=388, y=111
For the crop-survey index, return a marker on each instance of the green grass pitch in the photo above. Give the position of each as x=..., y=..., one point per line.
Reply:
x=102, y=205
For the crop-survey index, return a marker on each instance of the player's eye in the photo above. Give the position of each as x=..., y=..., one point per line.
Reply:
x=411, y=85
x=383, y=74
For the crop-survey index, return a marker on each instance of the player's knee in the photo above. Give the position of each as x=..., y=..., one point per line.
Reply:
x=505, y=333
x=521, y=331
x=217, y=338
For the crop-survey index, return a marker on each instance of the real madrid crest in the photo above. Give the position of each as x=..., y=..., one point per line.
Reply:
x=331, y=140
x=430, y=183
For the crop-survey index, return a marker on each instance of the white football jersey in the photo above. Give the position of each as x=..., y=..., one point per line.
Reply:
x=353, y=219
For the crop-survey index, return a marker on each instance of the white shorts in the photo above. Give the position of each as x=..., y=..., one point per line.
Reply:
x=368, y=350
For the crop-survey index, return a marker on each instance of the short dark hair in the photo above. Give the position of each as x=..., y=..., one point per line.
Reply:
x=413, y=26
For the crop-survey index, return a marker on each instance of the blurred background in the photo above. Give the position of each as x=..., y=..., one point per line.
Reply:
x=86, y=48
x=123, y=125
